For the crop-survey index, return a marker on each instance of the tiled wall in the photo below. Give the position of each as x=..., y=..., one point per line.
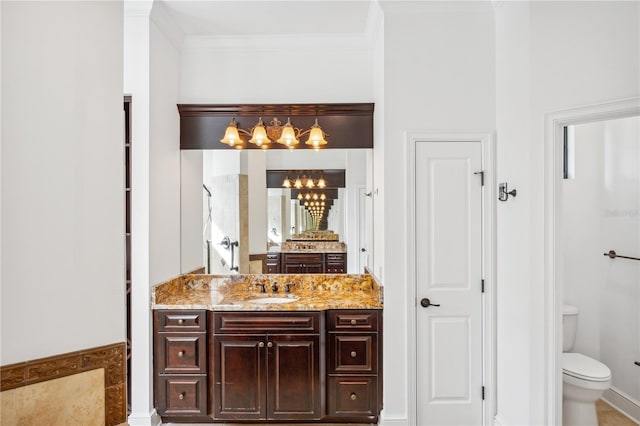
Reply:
x=86, y=387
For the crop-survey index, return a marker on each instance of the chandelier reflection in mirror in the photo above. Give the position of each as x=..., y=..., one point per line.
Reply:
x=263, y=135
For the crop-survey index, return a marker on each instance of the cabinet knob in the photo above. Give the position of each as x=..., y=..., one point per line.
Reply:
x=270, y=344
x=181, y=354
x=353, y=354
x=353, y=397
x=261, y=344
x=180, y=321
x=181, y=396
x=353, y=322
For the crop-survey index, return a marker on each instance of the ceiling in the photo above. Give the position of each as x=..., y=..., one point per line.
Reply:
x=268, y=17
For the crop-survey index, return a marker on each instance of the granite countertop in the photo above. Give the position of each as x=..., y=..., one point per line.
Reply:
x=309, y=292
x=309, y=247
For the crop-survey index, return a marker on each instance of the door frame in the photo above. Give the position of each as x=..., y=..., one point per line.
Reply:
x=487, y=141
x=553, y=272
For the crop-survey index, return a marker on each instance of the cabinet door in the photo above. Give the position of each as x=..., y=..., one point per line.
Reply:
x=293, y=382
x=314, y=268
x=293, y=268
x=238, y=366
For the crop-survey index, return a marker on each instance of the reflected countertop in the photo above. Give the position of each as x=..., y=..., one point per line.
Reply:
x=309, y=247
x=309, y=292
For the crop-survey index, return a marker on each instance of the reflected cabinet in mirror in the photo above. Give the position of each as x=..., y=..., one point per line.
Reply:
x=276, y=211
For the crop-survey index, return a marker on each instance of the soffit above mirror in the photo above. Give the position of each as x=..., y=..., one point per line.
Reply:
x=347, y=125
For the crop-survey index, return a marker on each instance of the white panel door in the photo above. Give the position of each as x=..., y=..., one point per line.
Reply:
x=448, y=226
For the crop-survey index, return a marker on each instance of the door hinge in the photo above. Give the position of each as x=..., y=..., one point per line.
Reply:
x=483, y=393
x=482, y=285
x=481, y=173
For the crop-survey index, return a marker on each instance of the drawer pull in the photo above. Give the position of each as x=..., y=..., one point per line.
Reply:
x=181, y=354
x=270, y=344
x=353, y=322
x=261, y=344
x=353, y=354
x=181, y=396
x=181, y=321
x=353, y=397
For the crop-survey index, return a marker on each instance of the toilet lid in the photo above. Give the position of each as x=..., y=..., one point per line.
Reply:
x=583, y=367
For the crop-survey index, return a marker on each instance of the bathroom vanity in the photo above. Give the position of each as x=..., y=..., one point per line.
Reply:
x=307, y=349
x=308, y=257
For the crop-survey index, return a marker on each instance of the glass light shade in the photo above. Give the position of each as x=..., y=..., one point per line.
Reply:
x=306, y=203
x=231, y=135
x=323, y=197
x=288, y=136
x=297, y=184
x=322, y=204
x=299, y=196
x=322, y=183
x=315, y=196
x=316, y=136
x=286, y=183
x=259, y=136
x=309, y=183
x=307, y=197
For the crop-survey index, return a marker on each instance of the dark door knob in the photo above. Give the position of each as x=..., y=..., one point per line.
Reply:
x=426, y=303
x=363, y=250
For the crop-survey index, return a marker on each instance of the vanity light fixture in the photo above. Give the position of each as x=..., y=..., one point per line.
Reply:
x=322, y=183
x=286, y=182
x=300, y=196
x=309, y=184
x=262, y=135
x=297, y=184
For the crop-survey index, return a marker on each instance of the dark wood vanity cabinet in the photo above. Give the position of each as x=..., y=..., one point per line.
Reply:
x=302, y=263
x=180, y=363
x=273, y=263
x=335, y=263
x=267, y=366
x=313, y=263
x=354, y=367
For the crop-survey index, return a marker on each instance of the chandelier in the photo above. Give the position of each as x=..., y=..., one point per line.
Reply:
x=263, y=135
x=306, y=182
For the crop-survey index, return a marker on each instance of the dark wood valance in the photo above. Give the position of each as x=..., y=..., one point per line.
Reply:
x=347, y=125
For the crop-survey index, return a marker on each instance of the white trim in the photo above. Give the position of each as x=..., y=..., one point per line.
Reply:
x=487, y=142
x=554, y=123
x=397, y=421
x=623, y=403
x=150, y=419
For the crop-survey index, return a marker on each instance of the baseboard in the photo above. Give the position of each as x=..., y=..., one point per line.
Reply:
x=384, y=421
x=148, y=419
x=623, y=403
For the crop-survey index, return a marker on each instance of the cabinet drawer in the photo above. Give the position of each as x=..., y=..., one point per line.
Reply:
x=179, y=395
x=337, y=268
x=303, y=258
x=352, y=396
x=335, y=257
x=267, y=322
x=181, y=320
x=346, y=320
x=182, y=353
x=353, y=353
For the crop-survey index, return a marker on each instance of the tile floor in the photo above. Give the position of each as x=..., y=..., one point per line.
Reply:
x=609, y=416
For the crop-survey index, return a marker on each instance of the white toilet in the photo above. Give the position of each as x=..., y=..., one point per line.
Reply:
x=583, y=378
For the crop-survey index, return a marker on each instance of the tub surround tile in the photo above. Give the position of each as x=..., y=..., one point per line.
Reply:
x=312, y=292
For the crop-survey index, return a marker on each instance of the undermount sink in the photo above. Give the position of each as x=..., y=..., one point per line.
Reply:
x=270, y=300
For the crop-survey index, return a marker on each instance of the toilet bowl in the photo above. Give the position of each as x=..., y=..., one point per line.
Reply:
x=583, y=378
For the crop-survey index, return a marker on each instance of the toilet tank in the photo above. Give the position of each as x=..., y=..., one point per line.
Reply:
x=569, y=327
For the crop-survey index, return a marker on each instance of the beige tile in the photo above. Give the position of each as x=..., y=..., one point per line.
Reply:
x=609, y=416
x=8, y=407
x=70, y=401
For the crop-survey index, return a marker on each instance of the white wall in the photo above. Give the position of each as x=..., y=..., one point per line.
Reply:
x=194, y=204
x=600, y=210
x=550, y=56
x=164, y=157
x=438, y=74
x=62, y=178
x=257, y=181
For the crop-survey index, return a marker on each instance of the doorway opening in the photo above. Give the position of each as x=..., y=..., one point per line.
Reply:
x=568, y=166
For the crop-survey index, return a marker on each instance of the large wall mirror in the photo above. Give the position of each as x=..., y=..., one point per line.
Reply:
x=233, y=217
x=236, y=216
